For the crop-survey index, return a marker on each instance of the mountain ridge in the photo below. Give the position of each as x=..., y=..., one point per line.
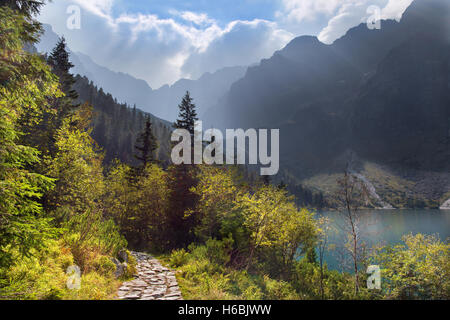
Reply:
x=162, y=102
x=380, y=94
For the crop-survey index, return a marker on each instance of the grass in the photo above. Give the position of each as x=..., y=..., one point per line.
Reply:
x=43, y=277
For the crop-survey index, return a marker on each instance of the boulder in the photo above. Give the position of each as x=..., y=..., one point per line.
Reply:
x=123, y=256
x=446, y=205
x=121, y=268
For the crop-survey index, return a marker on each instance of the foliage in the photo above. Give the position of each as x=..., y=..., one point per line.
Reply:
x=89, y=234
x=42, y=276
x=32, y=265
x=26, y=84
x=235, y=236
x=115, y=126
x=138, y=207
x=204, y=277
x=187, y=115
x=61, y=65
x=217, y=189
x=25, y=7
x=275, y=223
x=417, y=269
x=77, y=167
x=146, y=145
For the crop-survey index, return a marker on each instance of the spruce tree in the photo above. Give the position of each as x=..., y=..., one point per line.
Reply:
x=23, y=226
x=25, y=7
x=61, y=65
x=181, y=219
x=187, y=115
x=44, y=135
x=146, y=144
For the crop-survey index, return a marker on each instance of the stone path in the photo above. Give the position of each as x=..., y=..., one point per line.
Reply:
x=153, y=281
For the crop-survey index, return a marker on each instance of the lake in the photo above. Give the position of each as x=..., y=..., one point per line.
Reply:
x=388, y=227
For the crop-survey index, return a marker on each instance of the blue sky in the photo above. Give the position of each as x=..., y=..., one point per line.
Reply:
x=221, y=10
x=162, y=41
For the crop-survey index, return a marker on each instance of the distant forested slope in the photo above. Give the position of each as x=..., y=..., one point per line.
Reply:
x=116, y=125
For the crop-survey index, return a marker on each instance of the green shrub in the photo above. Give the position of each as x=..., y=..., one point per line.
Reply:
x=218, y=252
x=253, y=292
x=43, y=276
x=178, y=258
x=54, y=294
x=279, y=290
x=104, y=266
x=131, y=266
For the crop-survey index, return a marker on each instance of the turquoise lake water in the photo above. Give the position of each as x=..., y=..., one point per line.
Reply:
x=388, y=227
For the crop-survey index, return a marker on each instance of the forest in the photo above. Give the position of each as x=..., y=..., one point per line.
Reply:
x=80, y=184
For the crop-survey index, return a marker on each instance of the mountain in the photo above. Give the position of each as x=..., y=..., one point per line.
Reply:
x=207, y=90
x=116, y=126
x=379, y=97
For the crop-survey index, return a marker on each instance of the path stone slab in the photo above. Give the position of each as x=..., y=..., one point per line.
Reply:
x=153, y=281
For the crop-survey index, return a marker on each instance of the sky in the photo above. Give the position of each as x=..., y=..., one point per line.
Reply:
x=162, y=41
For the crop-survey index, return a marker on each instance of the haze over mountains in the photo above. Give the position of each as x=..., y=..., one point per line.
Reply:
x=370, y=85
x=163, y=102
x=380, y=98
x=381, y=95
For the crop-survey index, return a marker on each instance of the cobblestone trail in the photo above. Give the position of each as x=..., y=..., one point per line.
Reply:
x=153, y=281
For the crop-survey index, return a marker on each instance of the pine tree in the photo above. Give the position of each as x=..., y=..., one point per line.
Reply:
x=23, y=100
x=25, y=7
x=44, y=134
x=187, y=115
x=61, y=65
x=146, y=145
x=181, y=219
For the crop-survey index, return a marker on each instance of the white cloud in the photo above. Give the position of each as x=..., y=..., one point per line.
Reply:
x=395, y=9
x=197, y=18
x=101, y=8
x=163, y=50
x=187, y=44
x=300, y=10
x=240, y=43
x=353, y=12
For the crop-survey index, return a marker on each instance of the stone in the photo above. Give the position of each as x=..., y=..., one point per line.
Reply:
x=120, y=268
x=132, y=296
x=153, y=281
x=446, y=205
x=123, y=256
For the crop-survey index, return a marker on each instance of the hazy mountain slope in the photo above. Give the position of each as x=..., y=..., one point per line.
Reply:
x=382, y=93
x=401, y=116
x=207, y=90
x=116, y=125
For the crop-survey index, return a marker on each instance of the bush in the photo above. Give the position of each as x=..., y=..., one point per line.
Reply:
x=417, y=269
x=178, y=258
x=279, y=290
x=131, y=266
x=218, y=252
x=43, y=276
x=104, y=266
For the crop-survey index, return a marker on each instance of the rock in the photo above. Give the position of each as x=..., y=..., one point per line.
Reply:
x=132, y=296
x=446, y=205
x=121, y=268
x=173, y=295
x=123, y=256
x=153, y=281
